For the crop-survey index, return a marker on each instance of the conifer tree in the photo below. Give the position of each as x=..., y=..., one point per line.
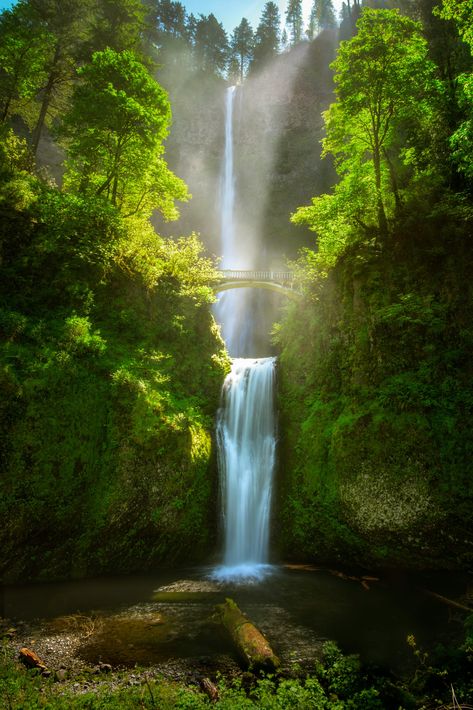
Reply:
x=322, y=17
x=267, y=37
x=211, y=44
x=294, y=20
x=118, y=24
x=167, y=21
x=241, y=44
x=284, y=40
x=68, y=23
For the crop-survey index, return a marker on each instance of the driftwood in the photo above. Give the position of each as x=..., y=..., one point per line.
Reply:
x=31, y=660
x=351, y=578
x=449, y=602
x=249, y=641
x=364, y=580
x=209, y=689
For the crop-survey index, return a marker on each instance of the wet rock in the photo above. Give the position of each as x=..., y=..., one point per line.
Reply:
x=105, y=668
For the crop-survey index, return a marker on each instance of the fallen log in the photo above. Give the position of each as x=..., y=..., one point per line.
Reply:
x=31, y=660
x=209, y=689
x=250, y=643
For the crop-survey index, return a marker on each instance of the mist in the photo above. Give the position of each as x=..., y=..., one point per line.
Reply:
x=277, y=128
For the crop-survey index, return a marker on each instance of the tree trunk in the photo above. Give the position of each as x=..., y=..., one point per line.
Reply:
x=394, y=184
x=47, y=96
x=249, y=641
x=6, y=109
x=382, y=221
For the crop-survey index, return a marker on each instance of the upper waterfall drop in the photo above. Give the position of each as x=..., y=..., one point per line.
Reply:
x=227, y=227
x=232, y=310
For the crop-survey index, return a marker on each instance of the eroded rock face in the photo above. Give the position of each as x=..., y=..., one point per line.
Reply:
x=376, y=502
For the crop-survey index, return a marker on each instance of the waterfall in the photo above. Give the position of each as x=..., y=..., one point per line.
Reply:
x=246, y=433
x=233, y=310
x=228, y=187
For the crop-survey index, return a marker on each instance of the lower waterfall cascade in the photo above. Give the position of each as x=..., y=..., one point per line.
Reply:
x=246, y=438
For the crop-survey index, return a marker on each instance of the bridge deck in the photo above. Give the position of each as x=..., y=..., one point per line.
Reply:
x=249, y=275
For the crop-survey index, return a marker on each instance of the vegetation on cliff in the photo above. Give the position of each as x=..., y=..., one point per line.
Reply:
x=376, y=392
x=111, y=364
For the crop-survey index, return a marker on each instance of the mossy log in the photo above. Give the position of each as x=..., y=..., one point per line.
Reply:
x=249, y=641
x=209, y=689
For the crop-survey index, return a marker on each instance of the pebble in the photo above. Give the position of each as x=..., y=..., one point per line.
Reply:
x=105, y=667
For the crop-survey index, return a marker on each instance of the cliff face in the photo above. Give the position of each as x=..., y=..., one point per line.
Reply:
x=110, y=373
x=375, y=399
x=277, y=133
x=280, y=128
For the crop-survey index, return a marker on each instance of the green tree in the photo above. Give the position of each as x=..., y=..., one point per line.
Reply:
x=166, y=23
x=118, y=24
x=322, y=17
x=211, y=44
x=114, y=129
x=462, y=139
x=294, y=20
x=24, y=46
x=461, y=11
x=377, y=129
x=267, y=36
x=69, y=24
x=284, y=40
x=191, y=27
x=241, y=44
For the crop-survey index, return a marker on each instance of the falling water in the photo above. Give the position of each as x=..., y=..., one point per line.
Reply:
x=246, y=424
x=228, y=188
x=247, y=444
x=233, y=310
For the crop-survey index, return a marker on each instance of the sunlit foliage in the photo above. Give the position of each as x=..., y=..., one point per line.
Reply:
x=385, y=100
x=117, y=121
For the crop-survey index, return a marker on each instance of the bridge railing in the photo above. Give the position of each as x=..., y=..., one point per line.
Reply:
x=247, y=275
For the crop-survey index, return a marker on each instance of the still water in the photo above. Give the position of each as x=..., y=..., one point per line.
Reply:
x=296, y=608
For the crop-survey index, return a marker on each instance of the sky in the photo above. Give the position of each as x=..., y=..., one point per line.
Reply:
x=229, y=12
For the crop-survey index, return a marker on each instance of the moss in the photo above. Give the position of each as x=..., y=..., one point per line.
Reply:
x=375, y=400
x=109, y=380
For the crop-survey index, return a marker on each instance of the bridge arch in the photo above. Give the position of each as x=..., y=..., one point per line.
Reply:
x=281, y=282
